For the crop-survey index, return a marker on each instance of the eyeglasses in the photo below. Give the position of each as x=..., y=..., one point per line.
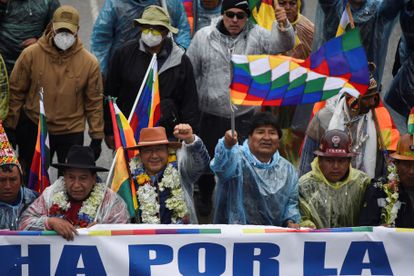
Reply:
x=151, y=30
x=238, y=15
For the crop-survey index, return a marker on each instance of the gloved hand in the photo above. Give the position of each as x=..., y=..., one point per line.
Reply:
x=11, y=135
x=96, y=147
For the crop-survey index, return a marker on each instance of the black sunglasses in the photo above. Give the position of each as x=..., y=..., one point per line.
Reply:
x=238, y=15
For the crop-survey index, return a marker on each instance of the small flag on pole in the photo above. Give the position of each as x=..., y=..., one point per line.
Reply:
x=340, y=65
x=39, y=176
x=147, y=112
x=122, y=183
x=410, y=124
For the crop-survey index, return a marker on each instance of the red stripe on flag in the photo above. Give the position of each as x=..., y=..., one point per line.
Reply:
x=242, y=88
x=273, y=102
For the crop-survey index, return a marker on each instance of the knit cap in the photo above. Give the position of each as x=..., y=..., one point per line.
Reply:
x=239, y=4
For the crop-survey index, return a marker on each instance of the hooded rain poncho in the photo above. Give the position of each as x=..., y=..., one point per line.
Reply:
x=251, y=192
x=328, y=205
x=10, y=213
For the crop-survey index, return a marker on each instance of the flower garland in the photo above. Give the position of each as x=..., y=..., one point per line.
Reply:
x=389, y=211
x=148, y=195
x=88, y=210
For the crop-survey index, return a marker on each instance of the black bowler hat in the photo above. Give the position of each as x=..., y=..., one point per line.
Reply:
x=80, y=157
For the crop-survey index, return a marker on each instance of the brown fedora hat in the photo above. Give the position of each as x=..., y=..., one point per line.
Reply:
x=153, y=136
x=405, y=148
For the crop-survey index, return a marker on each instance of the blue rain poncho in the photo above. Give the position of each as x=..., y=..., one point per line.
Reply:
x=400, y=95
x=251, y=192
x=10, y=213
x=375, y=20
x=115, y=25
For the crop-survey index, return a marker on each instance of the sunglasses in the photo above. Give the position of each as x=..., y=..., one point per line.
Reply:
x=238, y=15
x=150, y=30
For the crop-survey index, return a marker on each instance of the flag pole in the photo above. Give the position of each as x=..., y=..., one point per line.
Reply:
x=351, y=18
x=154, y=58
x=111, y=170
x=233, y=122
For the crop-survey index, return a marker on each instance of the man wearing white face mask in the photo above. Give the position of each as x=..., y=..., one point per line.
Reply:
x=178, y=94
x=72, y=84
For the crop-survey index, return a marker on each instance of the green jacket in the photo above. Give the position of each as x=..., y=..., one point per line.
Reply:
x=328, y=205
x=20, y=20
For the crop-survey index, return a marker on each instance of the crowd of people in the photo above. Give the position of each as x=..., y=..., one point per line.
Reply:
x=347, y=167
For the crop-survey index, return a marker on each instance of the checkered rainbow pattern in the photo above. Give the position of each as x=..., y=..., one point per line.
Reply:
x=340, y=65
x=7, y=155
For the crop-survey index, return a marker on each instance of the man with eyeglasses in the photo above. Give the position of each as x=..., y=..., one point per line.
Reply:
x=127, y=69
x=210, y=53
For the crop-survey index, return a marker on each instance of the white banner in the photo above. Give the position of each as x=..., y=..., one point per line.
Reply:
x=209, y=250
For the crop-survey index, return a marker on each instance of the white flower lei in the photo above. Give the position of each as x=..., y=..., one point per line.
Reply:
x=89, y=206
x=147, y=195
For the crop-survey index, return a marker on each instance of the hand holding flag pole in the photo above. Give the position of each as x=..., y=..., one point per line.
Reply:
x=280, y=15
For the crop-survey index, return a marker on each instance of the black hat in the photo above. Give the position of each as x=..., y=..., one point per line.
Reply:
x=239, y=4
x=80, y=157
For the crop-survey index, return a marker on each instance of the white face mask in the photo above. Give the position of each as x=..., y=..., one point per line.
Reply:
x=151, y=40
x=64, y=40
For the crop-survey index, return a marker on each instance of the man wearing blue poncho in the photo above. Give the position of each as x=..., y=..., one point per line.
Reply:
x=255, y=185
x=374, y=18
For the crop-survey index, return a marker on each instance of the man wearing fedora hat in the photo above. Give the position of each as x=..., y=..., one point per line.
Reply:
x=331, y=194
x=377, y=197
x=165, y=173
x=72, y=85
x=76, y=199
x=127, y=69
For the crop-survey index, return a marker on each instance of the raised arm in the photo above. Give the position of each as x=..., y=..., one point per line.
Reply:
x=225, y=164
x=193, y=158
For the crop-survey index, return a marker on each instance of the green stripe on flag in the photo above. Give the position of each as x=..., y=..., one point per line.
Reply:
x=329, y=93
x=410, y=128
x=264, y=78
x=126, y=194
x=242, y=66
x=351, y=40
x=315, y=85
x=280, y=81
x=298, y=82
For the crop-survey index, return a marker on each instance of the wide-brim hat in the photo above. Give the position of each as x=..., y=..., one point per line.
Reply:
x=66, y=17
x=405, y=148
x=156, y=16
x=80, y=157
x=154, y=136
